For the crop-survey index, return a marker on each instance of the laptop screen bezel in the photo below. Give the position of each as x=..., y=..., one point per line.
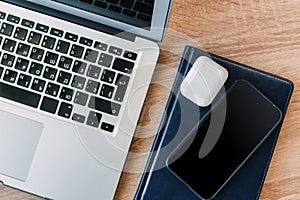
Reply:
x=155, y=33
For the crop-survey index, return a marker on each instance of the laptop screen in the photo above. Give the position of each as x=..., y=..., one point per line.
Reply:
x=146, y=18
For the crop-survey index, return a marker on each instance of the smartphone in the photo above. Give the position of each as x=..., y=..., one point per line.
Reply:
x=249, y=117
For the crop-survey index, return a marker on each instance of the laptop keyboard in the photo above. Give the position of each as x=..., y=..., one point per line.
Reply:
x=136, y=12
x=62, y=73
x=141, y=9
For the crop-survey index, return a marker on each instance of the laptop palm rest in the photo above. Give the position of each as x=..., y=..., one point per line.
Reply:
x=19, y=137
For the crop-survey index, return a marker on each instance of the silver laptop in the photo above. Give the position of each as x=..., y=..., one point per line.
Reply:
x=73, y=78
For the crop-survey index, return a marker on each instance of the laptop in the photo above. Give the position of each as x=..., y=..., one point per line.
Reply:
x=73, y=78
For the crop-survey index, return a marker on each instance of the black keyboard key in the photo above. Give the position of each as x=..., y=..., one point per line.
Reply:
x=94, y=119
x=1, y=71
x=129, y=13
x=107, y=91
x=38, y=85
x=105, y=60
x=62, y=46
x=34, y=38
x=150, y=2
x=107, y=127
x=8, y=60
x=123, y=65
x=50, y=73
x=144, y=17
x=126, y=3
x=42, y=27
x=37, y=54
x=86, y=41
x=24, y=80
x=2, y=15
x=122, y=80
x=48, y=42
x=78, y=82
x=91, y=55
x=100, y=4
x=130, y=55
x=115, y=50
x=78, y=118
x=23, y=49
x=51, y=58
x=0, y=41
x=19, y=95
x=10, y=76
x=36, y=68
x=13, y=19
x=113, y=1
x=104, y=106
x=76, y=51
x=114, y=8
x=9, y=45
x=72, y=37
x=56, y=32
x=65, y=110
x=66, y=94
x=122, y=83
x=81, y=98
x=52, y=89
x=108, y=76
x=93, y=71
x=65, y=62
x=87, y=1
x=6, y=29
x=27, y=23
x=144, y=8
x=20, y=33
x=21, y=64
x=92, y=87
x=79, y=67
x=49, y=105
x=100, y=46
x=64, y=77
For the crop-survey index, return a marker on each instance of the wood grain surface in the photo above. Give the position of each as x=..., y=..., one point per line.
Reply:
x=261, y=33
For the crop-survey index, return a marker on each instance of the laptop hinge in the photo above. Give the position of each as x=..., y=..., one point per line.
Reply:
x=74, y=19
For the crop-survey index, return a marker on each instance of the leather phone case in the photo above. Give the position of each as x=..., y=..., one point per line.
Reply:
x=159, y=183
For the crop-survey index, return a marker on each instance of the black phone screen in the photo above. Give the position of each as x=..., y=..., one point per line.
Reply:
x=249, y=118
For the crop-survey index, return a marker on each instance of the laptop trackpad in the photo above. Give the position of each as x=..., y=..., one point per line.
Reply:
x=18, y=141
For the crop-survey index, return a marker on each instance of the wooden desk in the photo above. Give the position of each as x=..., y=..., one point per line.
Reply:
x=264, y=34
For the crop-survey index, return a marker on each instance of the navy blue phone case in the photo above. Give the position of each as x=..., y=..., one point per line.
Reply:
x=247, y=183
